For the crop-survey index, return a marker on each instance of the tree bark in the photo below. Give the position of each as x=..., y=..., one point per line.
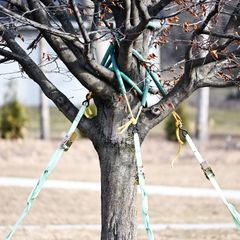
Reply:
x=118, y=177
x=118, y=192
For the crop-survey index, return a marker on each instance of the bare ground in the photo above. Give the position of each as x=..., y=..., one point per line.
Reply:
x=27, y=158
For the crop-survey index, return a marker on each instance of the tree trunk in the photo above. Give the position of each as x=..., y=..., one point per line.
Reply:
x=118, y=175
x=118, y=191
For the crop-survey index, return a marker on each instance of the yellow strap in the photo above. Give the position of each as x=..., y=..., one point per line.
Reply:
x=124, y=127
x=128, y=106
x=139, y=112
x=89, y=96
x=91, y=111
x=132, y=121
x=180, y=142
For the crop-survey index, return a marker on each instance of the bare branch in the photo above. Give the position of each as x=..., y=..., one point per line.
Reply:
x=142, y=9
x=19, y=4
x=77, y=66
x=158, y=7
x=132, y=34
x=4, y=60
x=127, y=14
x=81, y=25
x=61, y=15
x=209, y=58
x=134, y=15
x=218, y=82
x=10, y=55
x=125, y=50
x=155, y=114
x=35, y=73
x=211, y=14
x=65, y=35
x=98, y=70
x=201, y=28
x=220, y=35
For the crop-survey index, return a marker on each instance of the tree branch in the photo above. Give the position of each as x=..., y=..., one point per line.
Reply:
x=11, y=55
x=158, y=7
x=19, y=4
x=218, y=82
x=202, y=27
x=155, y=114
x=98, y=70
x=35, y=73
x=125, y=50
x=81, y=25
x=61, y=15
x=127, y=14
x=142, y=10
x=209, y=58
x=220, y=35
x=211, y=14
x=64, y=35
x=76, y=66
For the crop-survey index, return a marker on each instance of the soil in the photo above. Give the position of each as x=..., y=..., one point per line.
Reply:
x=27, y=158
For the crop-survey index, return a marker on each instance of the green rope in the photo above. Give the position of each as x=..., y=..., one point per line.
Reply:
x=64, y=146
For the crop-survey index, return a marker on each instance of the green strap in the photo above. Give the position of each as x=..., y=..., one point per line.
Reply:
x=151, y=73
x=118, y=74
x=44, y=176
x=109, y=62
x=145, y=90
x=157, y=83
x=107, y=54
x=131, y=83
x=211, y=177
x=141, y=181
x=233, y=211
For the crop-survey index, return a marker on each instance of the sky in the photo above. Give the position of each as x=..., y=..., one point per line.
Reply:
x=26, y=90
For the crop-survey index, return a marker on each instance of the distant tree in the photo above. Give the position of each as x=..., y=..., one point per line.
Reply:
x=12, y=119
x=127, y=24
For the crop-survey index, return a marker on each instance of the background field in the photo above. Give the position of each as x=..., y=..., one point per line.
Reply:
x=66, y=214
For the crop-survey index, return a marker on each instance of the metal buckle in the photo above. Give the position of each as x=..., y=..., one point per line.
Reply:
x=207, y=170
x=68, y=141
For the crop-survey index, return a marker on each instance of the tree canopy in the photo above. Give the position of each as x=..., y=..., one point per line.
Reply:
x=204, y=33
x=128, y=24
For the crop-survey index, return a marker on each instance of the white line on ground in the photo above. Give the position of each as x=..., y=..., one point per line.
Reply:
x=94, y=186
x=156, y=227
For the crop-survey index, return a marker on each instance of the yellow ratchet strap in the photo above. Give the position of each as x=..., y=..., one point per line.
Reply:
x=125, y=126
x=132, y=121
x=91, y=110
x=178, y=123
